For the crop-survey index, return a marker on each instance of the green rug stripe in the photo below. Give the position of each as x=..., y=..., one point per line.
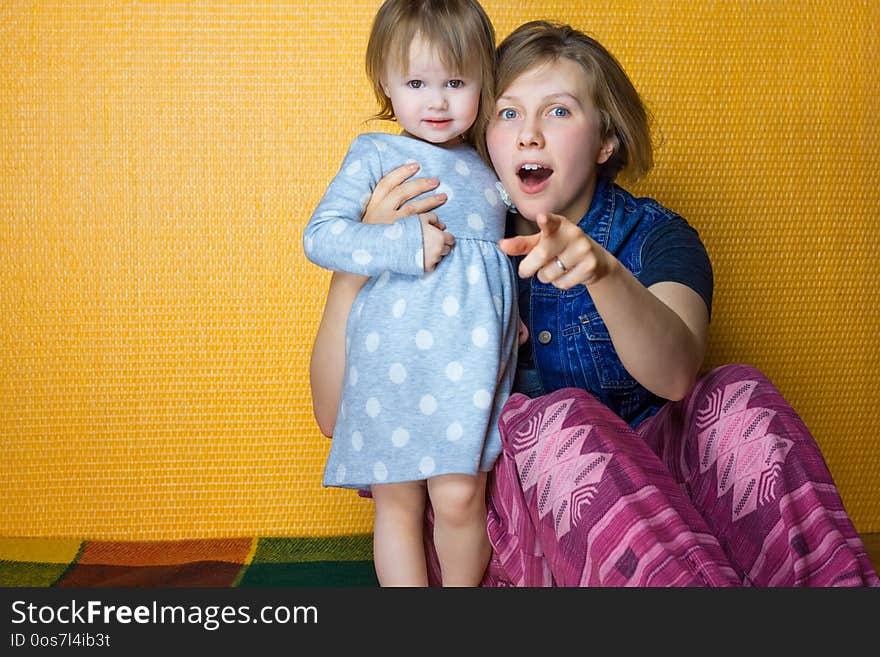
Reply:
x=310, y=574
x=357, y=547
x=30, y=573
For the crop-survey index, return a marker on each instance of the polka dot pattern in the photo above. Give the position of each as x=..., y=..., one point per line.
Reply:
x=428, y=404
x=422, y=348
x=454, y=371
x=424, y=339
x=397, y=373
x=450, y=306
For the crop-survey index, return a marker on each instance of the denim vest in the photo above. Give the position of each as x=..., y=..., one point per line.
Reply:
x=569, y=341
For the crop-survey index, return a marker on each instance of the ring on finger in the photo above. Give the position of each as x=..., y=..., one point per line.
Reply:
x=561, y=265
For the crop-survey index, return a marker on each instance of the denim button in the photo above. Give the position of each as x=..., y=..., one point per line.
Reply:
x=544, y=337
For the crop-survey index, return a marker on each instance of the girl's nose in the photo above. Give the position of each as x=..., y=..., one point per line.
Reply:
x=438, y=101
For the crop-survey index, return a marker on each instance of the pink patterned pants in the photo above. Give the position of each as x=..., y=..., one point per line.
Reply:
x=724, y=488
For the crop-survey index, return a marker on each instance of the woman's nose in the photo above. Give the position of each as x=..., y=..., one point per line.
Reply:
x=530, y=135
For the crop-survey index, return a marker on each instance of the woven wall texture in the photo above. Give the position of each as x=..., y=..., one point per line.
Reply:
x=160, y=159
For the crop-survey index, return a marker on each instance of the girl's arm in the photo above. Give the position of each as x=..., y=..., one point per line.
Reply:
x=335, y=237
x=659, y=333
x=390, y=201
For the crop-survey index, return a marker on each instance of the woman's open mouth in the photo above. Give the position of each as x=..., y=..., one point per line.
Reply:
x=533, y=178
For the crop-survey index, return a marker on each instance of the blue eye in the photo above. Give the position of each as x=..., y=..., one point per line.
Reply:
x=559, y=111
x=455, y=84
x=507, y=114
x=415, y=84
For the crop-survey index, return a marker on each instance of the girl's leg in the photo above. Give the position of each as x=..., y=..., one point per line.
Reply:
x=460, y=539
x=753, y=470
x=578, y=499
x=398, y=547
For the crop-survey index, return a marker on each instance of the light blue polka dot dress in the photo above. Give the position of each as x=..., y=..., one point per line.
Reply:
x=430, y=358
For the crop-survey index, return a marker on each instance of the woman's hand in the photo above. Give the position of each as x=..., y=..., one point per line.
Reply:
x=393, y=197
x=561, y=254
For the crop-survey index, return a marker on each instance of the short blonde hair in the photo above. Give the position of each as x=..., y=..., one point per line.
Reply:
x=623, y=114
x=459, y=30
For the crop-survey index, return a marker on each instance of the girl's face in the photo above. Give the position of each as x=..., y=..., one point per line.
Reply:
x=431, y=102
x=545, y=143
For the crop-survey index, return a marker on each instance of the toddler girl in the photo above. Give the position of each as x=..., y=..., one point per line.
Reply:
x=431, y=339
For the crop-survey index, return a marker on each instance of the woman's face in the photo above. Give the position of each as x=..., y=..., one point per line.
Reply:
x=545, y=143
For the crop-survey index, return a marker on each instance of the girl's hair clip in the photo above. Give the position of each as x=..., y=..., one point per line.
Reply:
x=505, y=197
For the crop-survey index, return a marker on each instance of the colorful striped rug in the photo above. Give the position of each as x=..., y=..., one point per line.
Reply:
x=237, y=562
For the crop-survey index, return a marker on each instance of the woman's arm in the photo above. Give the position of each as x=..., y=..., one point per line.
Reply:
x=659, y=333
x=391, y=200
x=327, y=363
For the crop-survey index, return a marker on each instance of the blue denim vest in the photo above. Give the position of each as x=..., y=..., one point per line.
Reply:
x=569, y=341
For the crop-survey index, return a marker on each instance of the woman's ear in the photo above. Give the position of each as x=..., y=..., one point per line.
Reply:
x=607, y=149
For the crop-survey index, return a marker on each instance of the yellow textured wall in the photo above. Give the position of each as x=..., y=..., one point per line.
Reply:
x=159, y=161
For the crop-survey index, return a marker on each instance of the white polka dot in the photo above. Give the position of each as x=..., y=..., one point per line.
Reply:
x=340, y=473
x=450, y=306
x=454, y=431
x=361, y=257
x=491, y=196
x=399, y=437
x=357, y=441
x=419, y=259
x=380, y=146
x=443, y=188
x=364, y=200
x=353, y=375
x=476, y=222
x=382, y=280
x=347, y=344
x=337, y=227
x=473, y=274
x=427, y=404
x=331, y=213
x=308, y=243
x=393, y=232
x=342, y=410
x=427, y=465
x=398, y=308
x=380, y=472
x=480, y=336
x=372, y=341
x=424, y=339
x=353, y=168
x=462, y=168
x=482, y=399
x=373, y=407
x=454, y=371
x=397, y=373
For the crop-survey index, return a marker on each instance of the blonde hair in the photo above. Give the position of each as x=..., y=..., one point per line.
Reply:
x=623, y=114
x=460, y=32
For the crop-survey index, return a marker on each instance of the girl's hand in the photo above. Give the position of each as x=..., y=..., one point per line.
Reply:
x=392, y=198
x=561, y=254
x=436, y=242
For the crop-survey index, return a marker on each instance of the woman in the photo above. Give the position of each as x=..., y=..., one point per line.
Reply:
x=620, y=466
